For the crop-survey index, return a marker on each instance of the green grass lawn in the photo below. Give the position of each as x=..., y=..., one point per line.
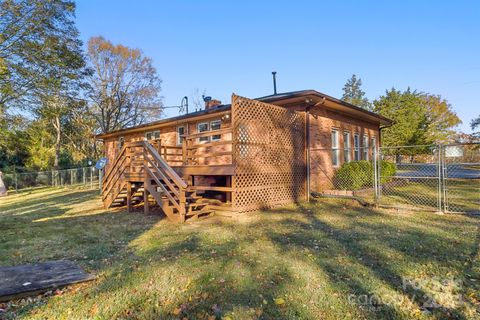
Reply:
x=463, y=195
x=324, y=260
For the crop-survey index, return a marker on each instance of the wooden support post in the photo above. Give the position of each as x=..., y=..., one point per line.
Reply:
x=146, y=204
x=129, y=196
x=159, y=146
x=184, y=151
x=183, y=202
x=146, y=184
x=228, y=195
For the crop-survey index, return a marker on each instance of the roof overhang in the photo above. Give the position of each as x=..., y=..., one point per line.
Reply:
x=179, y=120
x=304, y=98
x=315, y=98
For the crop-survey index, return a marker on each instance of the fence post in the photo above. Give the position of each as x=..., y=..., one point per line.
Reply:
x=375, y=175
x=100, y=176
x=16, y=183
x=379, y=176
x=91, y=178
x=444, y=187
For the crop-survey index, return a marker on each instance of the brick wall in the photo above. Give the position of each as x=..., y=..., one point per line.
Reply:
x=168, y=136
x=322, y=121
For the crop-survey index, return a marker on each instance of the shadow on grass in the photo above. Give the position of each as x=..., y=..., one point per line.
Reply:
x=301, y=262
x=418, y=246
x=66, y=225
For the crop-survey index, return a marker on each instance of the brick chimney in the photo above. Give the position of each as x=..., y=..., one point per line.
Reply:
x=212, y=103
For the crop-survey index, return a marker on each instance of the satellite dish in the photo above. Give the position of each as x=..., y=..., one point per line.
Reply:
x=101, y=163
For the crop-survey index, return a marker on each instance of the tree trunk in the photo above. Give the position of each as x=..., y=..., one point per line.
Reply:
x=58, y=131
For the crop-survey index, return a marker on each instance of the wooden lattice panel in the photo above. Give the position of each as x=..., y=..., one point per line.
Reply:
x=269, y=154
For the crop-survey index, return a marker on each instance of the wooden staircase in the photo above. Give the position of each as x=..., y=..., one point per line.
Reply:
x=139, y=174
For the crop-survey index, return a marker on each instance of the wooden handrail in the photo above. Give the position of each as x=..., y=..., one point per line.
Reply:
x=119, y=156
x=162, y=164
x=210, y=155
x=162, y=176
x=209, y=133
x=108, y=186
x=209, y=144
x=166, y=191
x=115, y=162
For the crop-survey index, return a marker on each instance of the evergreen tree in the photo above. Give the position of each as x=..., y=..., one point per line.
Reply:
x=353, y=93
x=475, y=125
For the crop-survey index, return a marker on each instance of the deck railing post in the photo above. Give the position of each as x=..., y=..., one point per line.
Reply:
x=159, y=146
x=183, y=204
x=100, y=176
x=184, y=151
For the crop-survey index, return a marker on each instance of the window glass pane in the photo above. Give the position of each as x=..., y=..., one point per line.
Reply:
x=365, y=147
x=152, y=135
x=335, y=150
x=215, y=125
x=356, y=146
x=334, y=139
x=121, y=141
x=180, y=133
x=203, y=127
x=346, y=146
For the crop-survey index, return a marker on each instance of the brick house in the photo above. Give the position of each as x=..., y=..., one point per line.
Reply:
x=250, y=154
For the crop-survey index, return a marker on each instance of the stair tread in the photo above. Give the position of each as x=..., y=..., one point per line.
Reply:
x=198, y=212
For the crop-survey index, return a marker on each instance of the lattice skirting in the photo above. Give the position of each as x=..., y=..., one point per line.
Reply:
x=269, y=153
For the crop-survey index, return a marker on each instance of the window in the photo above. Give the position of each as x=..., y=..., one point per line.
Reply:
x=180, y=133
x=203, y=127
x=335, y=148
x=215, y=125
x=121, y=142
x=346, y=146
x=365, y=147
x=356, y=147
x=152, y=135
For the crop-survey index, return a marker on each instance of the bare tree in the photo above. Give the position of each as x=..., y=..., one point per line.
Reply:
x=197, y=100
x=125, y=86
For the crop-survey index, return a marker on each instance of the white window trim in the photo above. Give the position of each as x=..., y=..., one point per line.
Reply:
x=121, y=142
x=153, y=134
x=365, y=147
x=179, y=137
x=212, y=138
x=347, y=146
x=335, y=147
x=356, y=147
x=205, y=139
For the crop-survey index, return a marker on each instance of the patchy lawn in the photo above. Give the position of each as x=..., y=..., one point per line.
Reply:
x=329, y=260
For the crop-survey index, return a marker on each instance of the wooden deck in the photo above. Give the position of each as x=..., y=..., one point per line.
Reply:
x=30, y=279
x=259, y=161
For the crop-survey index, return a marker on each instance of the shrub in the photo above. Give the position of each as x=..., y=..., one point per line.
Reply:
x=387, y=171
x=356, y=175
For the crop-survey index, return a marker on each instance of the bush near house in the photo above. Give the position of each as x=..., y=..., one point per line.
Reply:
x=356, y=175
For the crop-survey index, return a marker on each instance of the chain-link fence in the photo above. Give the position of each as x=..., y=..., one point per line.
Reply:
x=460, y=171
x=344, y=172
x=417, y=180
x=429, y=177
x=87, y=177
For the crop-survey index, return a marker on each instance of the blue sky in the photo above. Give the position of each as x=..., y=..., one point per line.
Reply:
x=226, y=46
